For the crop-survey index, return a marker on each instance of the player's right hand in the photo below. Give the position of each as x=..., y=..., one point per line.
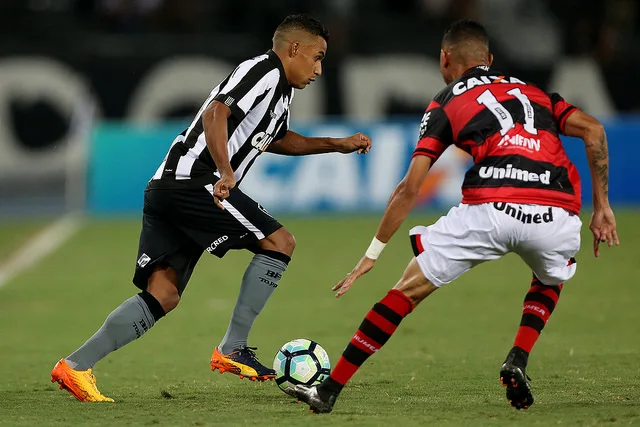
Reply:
x=363, y=267
x=222, y=188
x=603, y=227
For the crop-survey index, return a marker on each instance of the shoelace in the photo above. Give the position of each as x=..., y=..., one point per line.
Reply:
x=250, y=351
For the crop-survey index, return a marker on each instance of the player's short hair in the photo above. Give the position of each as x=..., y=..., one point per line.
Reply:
x=305, y=23
x=465, y=30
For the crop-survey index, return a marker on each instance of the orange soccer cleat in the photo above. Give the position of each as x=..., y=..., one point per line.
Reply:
x=81, y=384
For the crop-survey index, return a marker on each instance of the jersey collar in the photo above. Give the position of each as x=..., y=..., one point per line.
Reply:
x=284, y=84
x=476, y=68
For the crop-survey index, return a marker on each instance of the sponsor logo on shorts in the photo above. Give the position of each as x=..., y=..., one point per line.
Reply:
x=214, y=245
x=515, y=211
x=144, y=260
x=516, y=174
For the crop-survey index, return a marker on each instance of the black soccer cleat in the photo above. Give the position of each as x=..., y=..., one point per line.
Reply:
x=515, y=379
x=311, y=397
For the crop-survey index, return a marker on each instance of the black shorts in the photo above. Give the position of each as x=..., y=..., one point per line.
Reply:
x=179, y=225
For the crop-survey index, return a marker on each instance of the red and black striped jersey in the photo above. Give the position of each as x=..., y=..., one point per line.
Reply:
x=511, y=129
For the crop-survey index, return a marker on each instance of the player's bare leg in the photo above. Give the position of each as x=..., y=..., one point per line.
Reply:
x=376, y=329
x=126, y=323
x=539, y=303
x=258, y=284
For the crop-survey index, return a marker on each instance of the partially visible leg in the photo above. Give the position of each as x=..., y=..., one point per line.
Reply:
x=259, y=282
x=129, y=321
x=549, y=250
x=538, y=305
x=374, y=331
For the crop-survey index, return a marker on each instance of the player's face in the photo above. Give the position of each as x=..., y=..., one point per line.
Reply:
x=307, y=61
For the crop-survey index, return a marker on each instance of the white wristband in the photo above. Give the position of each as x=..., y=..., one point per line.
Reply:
x=375, y=249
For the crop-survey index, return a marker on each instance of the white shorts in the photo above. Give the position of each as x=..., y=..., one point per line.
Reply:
x=546, y=238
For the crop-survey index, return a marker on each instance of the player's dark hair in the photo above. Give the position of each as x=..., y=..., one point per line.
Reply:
x=465, y=30
x=306, y=23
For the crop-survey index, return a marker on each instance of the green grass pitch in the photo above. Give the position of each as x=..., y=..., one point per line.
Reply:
x=440, y=368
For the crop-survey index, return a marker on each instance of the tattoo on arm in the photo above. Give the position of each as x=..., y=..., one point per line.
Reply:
x=601, y=163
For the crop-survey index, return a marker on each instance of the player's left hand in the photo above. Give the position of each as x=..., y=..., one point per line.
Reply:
x=358, y=142
x=363, y=267
x=603, y=227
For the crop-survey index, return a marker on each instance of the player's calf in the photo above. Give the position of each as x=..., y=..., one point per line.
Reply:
x=538, y=305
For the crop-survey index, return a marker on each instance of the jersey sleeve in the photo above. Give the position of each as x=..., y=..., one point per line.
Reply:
x=561, y=110
x=435, y=133
x=245, y=86
x=283, y=129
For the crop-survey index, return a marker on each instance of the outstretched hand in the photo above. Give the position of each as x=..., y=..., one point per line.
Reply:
x=361, y=268
x=603, y=227
x=358, y=142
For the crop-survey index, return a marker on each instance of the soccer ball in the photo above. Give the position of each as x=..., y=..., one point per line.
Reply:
x=300, y=361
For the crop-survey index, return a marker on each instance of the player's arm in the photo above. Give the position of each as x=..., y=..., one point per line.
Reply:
x=435, y=137
x=590, y=130
x=214, y=122
x=403, y=198
x=400, y=204
x=294, y=144
x=236, y=97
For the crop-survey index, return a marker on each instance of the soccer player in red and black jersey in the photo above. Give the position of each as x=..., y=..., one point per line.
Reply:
x=521, y=195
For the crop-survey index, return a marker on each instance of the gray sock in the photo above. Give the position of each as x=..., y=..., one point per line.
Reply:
x=260, y=280
x=126, y=323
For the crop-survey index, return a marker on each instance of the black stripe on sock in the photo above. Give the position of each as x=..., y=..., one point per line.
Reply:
x=387, y=313
x=154, y=305
x=354, y=355
x=275, y=255
x=535, y=281
x=375, y=333
x=542, y=299
x=555, y=289
x=532, y=321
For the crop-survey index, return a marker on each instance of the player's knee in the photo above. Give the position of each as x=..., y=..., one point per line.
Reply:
x=163, y=285
x=289, y=243
x=170, y=300
x=414, y=284
x=281, y=241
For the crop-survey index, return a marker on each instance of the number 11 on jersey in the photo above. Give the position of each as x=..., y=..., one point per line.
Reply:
x=505, y=119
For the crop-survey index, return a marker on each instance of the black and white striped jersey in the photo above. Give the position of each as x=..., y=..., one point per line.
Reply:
x=259, y=96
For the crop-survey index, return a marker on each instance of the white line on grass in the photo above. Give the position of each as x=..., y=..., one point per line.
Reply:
x=38, y=247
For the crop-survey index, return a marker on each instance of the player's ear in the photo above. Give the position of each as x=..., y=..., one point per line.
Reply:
x=490, y=59
x=444, y=59
x=294, y=48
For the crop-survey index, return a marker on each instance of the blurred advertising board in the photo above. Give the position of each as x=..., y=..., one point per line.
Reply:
x=122, y=158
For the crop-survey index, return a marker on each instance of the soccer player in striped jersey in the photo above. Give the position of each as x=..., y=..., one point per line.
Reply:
x=522, y=195
x=192, y=204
